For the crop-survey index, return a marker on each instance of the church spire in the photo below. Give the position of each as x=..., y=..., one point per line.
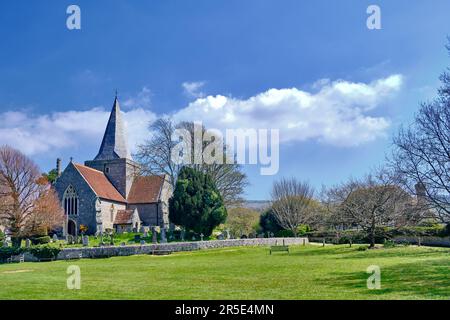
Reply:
x=114, y=143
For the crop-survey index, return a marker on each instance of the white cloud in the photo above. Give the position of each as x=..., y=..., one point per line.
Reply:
x=338, y=113
x=193, y=89
x=37, y=134
x=141, y=100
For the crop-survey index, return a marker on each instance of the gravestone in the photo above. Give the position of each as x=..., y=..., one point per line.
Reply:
x=145, y=234
x=5, y=244
x=227, y=234
x=69, y=239
x=182, y=235
x=163, y=235
x=27, y=243
x=122, y=244
x=55, y=237
x=154, y=235
x=85, y=241
x=193, y=238
x=142, y=242
x=220, y=236
x=201, y=236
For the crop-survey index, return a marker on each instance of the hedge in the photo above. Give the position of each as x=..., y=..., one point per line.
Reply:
x=7, y=252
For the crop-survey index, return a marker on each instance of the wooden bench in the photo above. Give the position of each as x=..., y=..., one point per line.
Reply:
x=161, y=252
x=74, y=256
x=21, y=259
x=46, y=259
x=279, y=249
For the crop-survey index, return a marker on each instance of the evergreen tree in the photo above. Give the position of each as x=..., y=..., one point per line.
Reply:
x=51, y=176
x=196, y=203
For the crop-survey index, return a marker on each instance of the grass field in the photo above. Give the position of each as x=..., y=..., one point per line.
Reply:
x=311, y=272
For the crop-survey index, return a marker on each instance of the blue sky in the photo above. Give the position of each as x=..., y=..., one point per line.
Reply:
x=57, y=85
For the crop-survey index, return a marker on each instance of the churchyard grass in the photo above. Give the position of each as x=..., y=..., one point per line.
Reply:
x=309, y=272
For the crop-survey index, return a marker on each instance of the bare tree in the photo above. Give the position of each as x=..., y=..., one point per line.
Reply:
x=47, y=214
x=291, y=203
x=422, y=153
x=21, y=192
x=155, y=154
x=370, y=203
x=155, y=157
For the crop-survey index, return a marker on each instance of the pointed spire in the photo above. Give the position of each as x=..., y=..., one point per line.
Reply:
x=114, y=143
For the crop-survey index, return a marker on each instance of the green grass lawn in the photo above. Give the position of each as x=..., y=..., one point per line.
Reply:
x=311, y=272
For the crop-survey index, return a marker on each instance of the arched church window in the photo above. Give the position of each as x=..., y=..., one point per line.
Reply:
x=70, y=201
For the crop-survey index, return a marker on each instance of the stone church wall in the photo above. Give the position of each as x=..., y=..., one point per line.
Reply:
x=147, y=213
x=120, y=172
x=86, y=197
x=108, y=217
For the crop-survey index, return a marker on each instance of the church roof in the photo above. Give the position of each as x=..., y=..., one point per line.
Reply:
x=146, y=189
x=124, y=217
x=114, y=144
x=99, y=183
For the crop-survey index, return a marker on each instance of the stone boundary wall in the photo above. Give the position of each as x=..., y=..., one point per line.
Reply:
x=425, y=241
x=113, y=251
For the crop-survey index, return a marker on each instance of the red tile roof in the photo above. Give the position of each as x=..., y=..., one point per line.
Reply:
x=99, y=183
x=146, y=189
x=124, y=217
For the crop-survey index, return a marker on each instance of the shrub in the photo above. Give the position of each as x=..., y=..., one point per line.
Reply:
x=446, y=231
x=389, y=244
x=44, y=251
x=268, y=222
x=362, y=248
x=2, y=235
x=284, y=234
x=41, y=240
x=6, y=252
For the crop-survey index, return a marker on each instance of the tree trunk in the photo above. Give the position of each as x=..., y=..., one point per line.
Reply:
x=372, y=239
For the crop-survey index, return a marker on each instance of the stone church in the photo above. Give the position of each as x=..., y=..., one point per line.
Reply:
x=107, y=192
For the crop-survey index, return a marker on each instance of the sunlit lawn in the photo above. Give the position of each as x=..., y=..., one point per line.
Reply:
x=311, y=272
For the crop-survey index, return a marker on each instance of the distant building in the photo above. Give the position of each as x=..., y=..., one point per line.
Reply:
x=107, y=193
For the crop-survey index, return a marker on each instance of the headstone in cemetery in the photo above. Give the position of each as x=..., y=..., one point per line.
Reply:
x=122, y=244
x=182, y=235
x=85, y=241
x=220, y=236
x=193, y=238
x=5, y=244
x=142, y=242
x=27, y=243
x=201, y=236
x=227, y=234
x=55, y=237
x=154, y=235
x=69, y=239
x=163, y=235
x=145, y=235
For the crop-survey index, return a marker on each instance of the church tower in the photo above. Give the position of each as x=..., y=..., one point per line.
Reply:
x=114, y=157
